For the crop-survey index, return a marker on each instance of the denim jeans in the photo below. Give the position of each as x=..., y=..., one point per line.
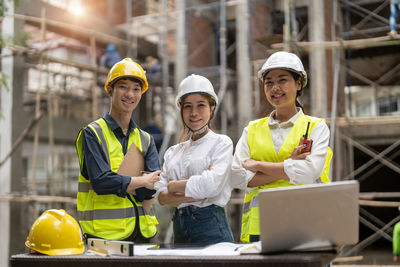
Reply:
x=201, y=226
x=394, y=10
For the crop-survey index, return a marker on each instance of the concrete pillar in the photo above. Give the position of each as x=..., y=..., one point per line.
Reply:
x=6, y=139
x=14, y=121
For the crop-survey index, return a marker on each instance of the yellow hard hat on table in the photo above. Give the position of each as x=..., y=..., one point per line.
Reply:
x=55, y=232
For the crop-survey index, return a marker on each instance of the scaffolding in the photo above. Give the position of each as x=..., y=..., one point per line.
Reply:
x=365, y=33
x=337, y=29
x=341, y=127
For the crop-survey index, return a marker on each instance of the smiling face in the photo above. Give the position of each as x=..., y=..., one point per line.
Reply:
x=125, y=96
x=280, y=88
x=196, y=111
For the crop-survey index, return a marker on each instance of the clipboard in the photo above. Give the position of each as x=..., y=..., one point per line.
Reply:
x=132, y=165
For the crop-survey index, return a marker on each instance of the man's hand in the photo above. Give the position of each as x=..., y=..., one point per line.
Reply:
x=150, y=178
x=147, y=180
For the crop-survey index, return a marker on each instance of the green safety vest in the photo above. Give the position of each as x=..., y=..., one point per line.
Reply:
x=262, y=149
x=110, y=216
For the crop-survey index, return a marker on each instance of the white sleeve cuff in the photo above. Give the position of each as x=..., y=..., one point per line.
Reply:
x=159, y=190
x=240, y=177
x=188, y=187
x=289, y=168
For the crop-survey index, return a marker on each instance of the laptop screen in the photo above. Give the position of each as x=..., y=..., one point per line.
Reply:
x=309, y=216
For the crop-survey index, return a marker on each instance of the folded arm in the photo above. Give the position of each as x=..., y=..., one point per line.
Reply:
x=174, y=199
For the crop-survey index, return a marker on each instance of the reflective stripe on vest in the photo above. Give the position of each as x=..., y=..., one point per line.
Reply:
x=259, y=138
x=109, y=216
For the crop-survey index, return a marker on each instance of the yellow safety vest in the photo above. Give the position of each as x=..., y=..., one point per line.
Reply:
x=110, y=216
x=262, y=149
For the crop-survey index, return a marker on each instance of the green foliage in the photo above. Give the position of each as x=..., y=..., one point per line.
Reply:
x=21, y=38
x=3, y=80
x=3, y=6
x=6, y=40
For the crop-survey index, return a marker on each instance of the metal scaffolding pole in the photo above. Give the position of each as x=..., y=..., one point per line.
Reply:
x=336, y=65
x=163, y=53
x=286, y=27
x=244, y=105
x=37, y=104
x=317, y=59
x=180, y=47
x=128, y=4
x=222, y=68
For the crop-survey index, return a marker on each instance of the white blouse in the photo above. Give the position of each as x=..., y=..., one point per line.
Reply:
x=299, y=171
x=205, y=163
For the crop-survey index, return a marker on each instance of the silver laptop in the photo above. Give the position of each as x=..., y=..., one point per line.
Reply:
x=309, y=217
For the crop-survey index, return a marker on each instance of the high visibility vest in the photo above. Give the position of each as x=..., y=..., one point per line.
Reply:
x=110, y=216
x=262, y=149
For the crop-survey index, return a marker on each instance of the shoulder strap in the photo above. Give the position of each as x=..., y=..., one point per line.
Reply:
x=145, y=139
x=95, y=126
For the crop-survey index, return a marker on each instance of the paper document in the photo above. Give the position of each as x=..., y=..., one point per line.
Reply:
x=219, y=249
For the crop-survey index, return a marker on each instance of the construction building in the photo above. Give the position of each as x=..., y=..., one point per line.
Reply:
x=53, y=86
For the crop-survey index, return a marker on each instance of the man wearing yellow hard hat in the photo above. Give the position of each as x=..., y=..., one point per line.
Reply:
x=109, y=204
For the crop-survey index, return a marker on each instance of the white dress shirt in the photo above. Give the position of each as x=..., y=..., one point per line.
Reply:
x=205, y=163
x=305, y=171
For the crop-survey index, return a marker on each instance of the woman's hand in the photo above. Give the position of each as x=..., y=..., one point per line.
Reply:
x=251, y=165
x=296, y=154
x=177, y=187
x=174, y=199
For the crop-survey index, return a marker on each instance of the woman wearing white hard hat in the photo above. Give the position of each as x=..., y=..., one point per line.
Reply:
x=276, y=151
x=195, y=174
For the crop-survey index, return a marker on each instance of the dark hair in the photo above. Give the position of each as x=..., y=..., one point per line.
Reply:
x=133, y=79
x=296, y=77
x=185, y=130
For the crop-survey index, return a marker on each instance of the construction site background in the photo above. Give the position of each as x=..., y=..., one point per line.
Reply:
x=53, y=76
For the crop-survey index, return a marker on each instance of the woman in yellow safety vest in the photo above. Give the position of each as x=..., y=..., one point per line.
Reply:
x=271, y=151
x=195, y=174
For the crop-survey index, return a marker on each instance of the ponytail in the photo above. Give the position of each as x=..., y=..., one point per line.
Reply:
x=296, y=77
x=299, y=105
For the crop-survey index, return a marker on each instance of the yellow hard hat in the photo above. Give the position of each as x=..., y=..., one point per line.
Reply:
x=55, y=232
x=127, y=68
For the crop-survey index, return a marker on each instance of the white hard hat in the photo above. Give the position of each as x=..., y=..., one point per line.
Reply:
x=284, y=60
x=195, y=84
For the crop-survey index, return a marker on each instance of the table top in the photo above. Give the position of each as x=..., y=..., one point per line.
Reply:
x=283, y=259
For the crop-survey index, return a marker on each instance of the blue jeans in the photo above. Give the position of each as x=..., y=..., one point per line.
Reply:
x=201, y=226
x=394, y=9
